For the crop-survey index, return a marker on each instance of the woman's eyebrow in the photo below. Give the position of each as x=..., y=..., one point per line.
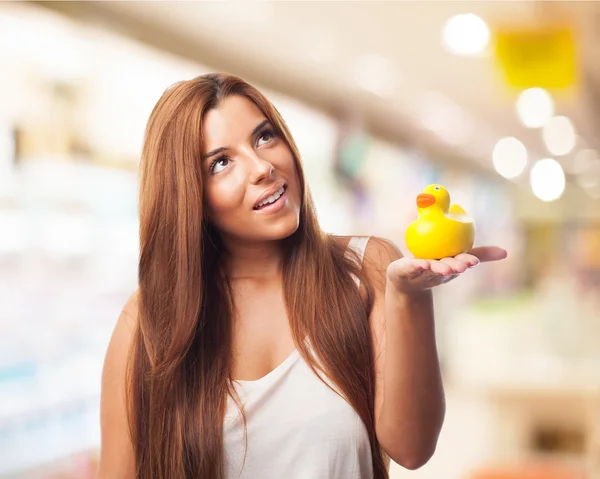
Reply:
x=216, y=151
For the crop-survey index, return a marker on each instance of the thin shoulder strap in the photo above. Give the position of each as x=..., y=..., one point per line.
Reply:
x=358, y=244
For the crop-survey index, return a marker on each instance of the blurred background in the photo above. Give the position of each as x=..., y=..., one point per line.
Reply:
x=498, y=101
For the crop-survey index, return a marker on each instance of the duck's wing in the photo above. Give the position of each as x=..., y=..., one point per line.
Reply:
x=457, y=210
x=457, y=213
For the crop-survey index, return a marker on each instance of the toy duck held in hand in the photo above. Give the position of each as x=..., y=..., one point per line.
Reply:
x=441, y=230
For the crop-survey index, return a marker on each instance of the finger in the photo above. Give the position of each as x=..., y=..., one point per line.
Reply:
x=469, y=259
x=440, y=268
x=416, y=266
x=489, y=253
x=422, y=264
x=457, y=265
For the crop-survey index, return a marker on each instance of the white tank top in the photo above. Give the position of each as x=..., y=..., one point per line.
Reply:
x=297, y=427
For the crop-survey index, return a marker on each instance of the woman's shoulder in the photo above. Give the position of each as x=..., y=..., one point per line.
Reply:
x=131, y=306
x=342, y=241
x=377, y=250
x=125, y=326
x=375, y=255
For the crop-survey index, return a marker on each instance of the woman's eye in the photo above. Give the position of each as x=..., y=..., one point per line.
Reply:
x=266, y=136
x=219, y=164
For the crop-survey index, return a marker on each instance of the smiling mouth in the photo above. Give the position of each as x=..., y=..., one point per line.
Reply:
x=271, y=199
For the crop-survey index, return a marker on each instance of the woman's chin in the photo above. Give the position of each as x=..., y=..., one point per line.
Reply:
x=264, y=229
x=282, y=229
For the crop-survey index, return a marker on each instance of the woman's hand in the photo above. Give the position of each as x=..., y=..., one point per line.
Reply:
x=410, y=274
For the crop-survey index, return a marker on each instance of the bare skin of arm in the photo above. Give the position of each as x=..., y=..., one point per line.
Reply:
x=116, y=453
x=409, y=396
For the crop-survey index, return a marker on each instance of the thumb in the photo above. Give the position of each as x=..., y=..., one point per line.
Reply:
x=489, y=253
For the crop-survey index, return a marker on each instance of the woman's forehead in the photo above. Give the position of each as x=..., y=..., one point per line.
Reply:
x=235, y=117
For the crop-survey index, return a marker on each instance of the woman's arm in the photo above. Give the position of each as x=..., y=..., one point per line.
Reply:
x=409, y=395
x=413, y=407
x=116, y=453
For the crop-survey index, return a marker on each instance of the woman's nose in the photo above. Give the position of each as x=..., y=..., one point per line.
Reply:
x=260, y=169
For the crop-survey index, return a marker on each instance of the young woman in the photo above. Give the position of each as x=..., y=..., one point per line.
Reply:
x=257, y=346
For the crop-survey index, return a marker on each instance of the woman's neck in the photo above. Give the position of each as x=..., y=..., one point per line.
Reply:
x=249, y=260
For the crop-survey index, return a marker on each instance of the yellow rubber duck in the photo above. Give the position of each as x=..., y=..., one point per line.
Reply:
x=441, y=230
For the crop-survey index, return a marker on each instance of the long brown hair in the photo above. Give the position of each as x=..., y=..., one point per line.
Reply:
x=180, y=372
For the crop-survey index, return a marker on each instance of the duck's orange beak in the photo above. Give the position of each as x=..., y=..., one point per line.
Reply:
x=424, y=200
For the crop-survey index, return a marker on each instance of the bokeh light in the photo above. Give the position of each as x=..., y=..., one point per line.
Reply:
x=547, y=179
x=509, y=157
x=466, y=34
x=559, y=135
x=535, y=107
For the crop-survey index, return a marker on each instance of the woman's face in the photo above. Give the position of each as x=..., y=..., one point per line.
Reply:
x=252, y=189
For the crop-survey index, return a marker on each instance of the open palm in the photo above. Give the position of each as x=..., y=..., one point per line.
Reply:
x=412, y=274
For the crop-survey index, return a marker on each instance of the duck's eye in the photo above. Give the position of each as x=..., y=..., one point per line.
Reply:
x=437, y=188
